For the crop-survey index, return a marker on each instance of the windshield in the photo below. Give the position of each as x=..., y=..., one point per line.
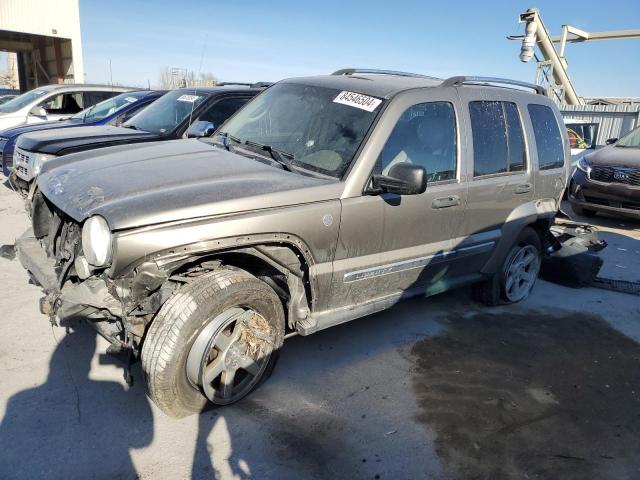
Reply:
x=106, y=108
x=166, y=113
x=319, y=128
x=631, y=139
x=21, y=101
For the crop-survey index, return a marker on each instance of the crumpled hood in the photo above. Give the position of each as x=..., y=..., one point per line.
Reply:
x=144, y=184
x=615, y=156
x=67, y=140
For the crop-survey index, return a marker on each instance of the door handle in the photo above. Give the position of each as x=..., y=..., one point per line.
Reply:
x=444, y=202
x=524, y=188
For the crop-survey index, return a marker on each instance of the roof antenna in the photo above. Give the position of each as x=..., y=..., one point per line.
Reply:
x=195, y=91
x=110, y=75
x=148, y=84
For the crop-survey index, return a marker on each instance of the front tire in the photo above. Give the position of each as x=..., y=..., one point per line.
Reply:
x=213, y=341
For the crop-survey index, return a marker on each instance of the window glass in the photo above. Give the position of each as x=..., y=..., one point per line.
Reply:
x=91, y=98
x=22, y=101
x=489, y=138
x=68, y=103
x=220, y=111
x=631, y=139
x=498, y=141
x=515, y=143
x=107, y=107
x=166, y=113
x=424, y=135
x=319, y=128
x=548, y=139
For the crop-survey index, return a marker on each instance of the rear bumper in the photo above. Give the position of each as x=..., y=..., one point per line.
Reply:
x=614, y=198
x=64, y=298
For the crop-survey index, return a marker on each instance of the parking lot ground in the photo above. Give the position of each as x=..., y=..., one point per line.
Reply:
x=432, y=388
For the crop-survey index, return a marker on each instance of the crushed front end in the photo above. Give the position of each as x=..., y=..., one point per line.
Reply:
x=76, y=284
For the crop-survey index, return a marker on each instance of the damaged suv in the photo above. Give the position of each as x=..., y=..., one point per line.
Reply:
x=323, y=200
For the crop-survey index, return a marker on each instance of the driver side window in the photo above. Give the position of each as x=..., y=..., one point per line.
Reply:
x=424, y=135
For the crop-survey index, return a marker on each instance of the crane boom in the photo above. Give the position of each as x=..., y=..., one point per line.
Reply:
x=555, y=63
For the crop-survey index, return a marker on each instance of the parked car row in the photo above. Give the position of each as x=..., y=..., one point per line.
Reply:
x=321, y=200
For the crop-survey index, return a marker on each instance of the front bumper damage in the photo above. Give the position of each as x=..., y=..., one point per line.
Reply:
x=92, y=297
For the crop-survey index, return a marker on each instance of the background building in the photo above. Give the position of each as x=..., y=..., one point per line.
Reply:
x=43, y=38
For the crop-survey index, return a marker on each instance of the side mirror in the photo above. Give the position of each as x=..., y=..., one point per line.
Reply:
x=38, y=111
x=200, y=128
x=403, y=179
x=611, y=141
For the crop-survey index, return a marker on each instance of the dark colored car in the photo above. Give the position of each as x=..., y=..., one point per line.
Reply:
x=113, y=111
x=185, y=112
x=608, y=180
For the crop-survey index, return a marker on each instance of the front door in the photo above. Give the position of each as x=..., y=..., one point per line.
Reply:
x=389, y=244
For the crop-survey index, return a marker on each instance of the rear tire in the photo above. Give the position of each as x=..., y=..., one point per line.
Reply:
x=583, y=212
x=228, y=308
x=517, y=275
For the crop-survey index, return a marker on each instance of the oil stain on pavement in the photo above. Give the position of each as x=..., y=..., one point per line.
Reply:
x=531, y=395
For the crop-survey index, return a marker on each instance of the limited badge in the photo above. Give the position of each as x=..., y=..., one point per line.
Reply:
x=357, y=100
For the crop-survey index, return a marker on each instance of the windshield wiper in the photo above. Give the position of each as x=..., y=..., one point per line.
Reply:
x=225, y=140
x=283, y=158
x=132, y=127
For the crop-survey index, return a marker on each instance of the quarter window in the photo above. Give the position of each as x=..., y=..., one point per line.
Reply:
x=498, y=141
x=424, y=135
x=548, y=139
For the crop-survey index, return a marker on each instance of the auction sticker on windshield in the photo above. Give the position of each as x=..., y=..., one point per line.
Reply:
x=188, y=98
x=364, y=102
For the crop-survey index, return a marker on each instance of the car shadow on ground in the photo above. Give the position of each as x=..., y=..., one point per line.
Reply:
x=72, y=426
x=432, y=388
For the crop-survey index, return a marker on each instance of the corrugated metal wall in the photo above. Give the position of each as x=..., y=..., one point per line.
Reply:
x=614, y=120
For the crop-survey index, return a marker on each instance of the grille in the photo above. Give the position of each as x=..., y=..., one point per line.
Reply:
x=21, y=156
x=625, y=175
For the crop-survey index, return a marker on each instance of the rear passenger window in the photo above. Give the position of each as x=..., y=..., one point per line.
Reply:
x=548, y=139
x=498, y=141
x=424, y=135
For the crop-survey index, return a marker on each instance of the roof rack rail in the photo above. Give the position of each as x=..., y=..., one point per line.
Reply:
x=351, y=71
x=246, y=84
x=463, y=80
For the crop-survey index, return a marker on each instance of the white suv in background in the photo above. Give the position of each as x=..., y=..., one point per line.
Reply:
x=53, y=102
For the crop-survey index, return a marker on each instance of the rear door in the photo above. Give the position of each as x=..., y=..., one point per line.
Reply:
x=500, y=175
x=389, y=244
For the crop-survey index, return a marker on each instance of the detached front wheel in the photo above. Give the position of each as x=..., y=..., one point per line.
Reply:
x=214, y=341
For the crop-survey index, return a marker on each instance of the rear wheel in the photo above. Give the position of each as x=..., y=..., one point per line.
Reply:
x=583, y=212
x=518, y=274
x=214, y=341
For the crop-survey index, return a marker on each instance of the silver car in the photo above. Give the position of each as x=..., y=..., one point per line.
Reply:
x=323, y=200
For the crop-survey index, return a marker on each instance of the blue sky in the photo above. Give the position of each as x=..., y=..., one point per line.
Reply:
x=269, y=40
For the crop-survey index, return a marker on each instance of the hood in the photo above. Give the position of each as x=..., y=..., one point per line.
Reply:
x=144, y=184
x=74, y=139
x=36, y=127
x=8, y=120
x=615, y=156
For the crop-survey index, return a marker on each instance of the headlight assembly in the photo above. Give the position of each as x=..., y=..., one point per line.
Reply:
x=584, y=165
x=96, y=241
x=36, y=160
